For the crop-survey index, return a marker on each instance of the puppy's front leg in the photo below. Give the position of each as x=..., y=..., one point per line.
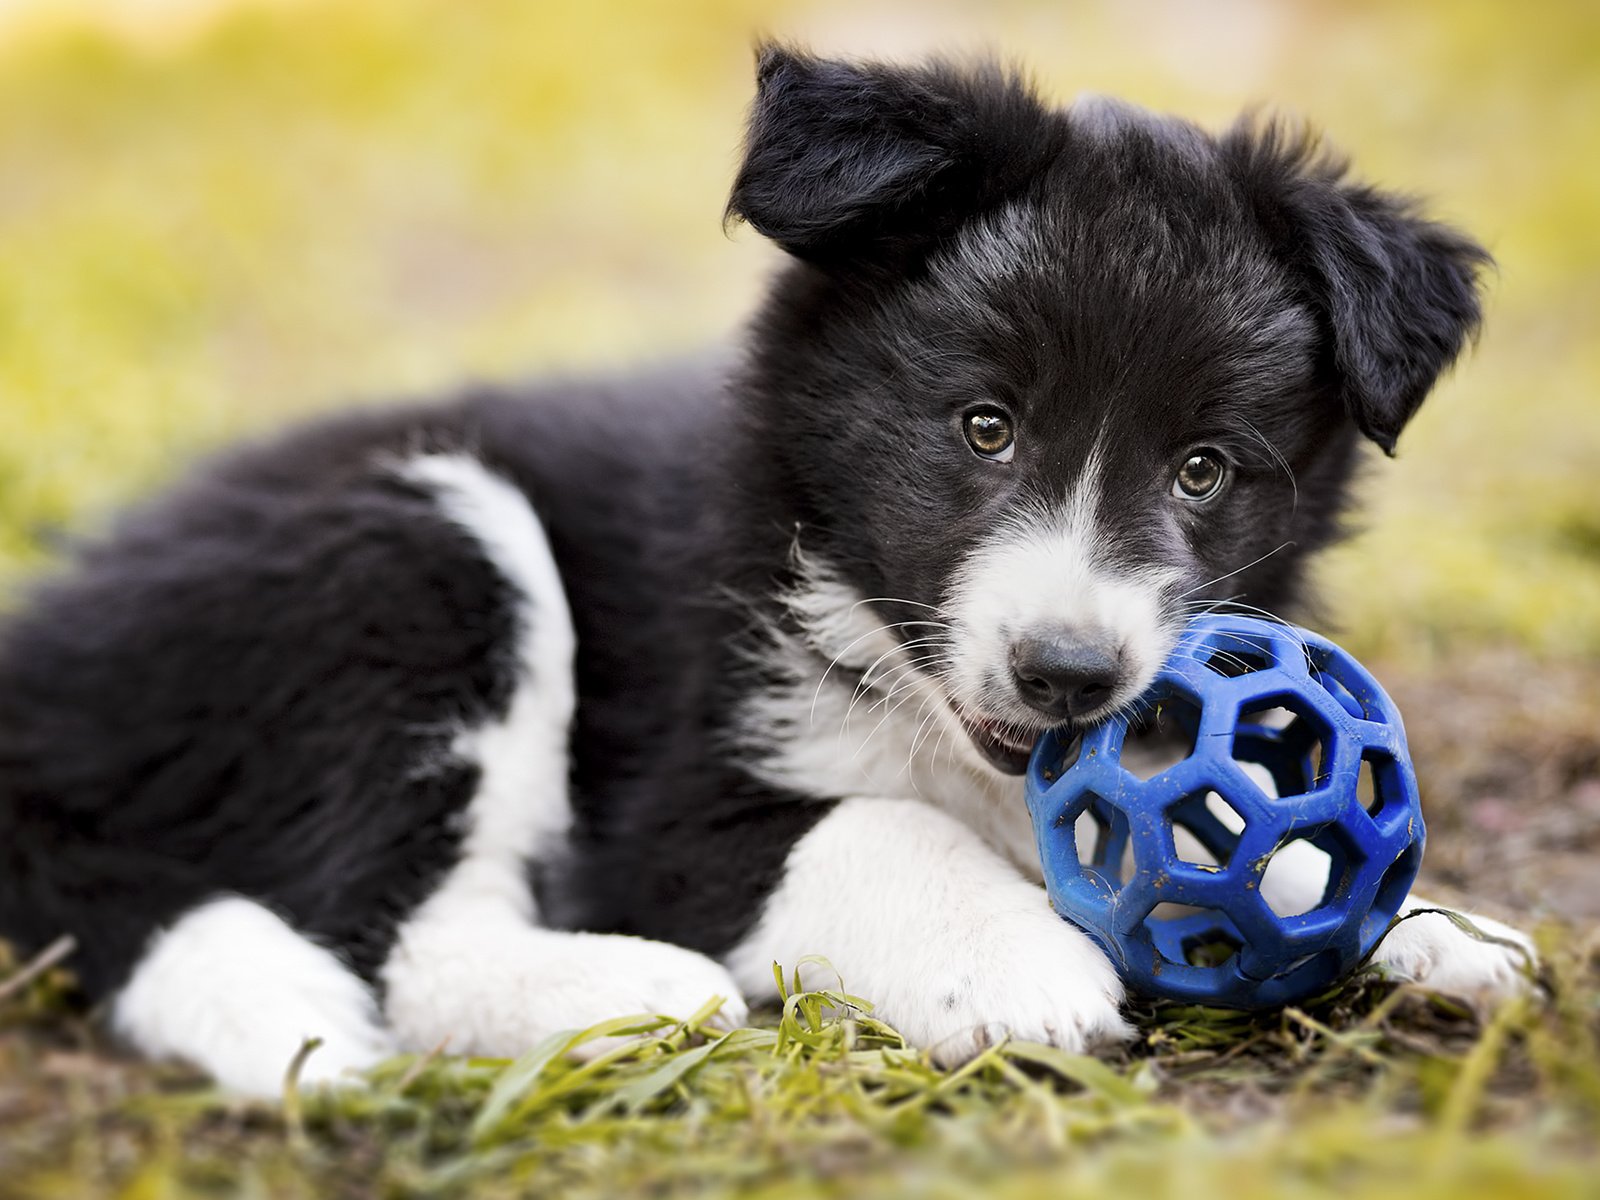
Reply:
x=954, y=948
x=1428, y=948
x=1431, y=949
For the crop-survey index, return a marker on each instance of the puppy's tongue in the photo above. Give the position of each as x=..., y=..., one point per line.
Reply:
x=1007, y=747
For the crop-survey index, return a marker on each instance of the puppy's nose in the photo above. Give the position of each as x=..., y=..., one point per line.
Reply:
x=1065, y=673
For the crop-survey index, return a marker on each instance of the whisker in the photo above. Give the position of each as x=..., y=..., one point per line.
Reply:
x=835, y=660
x=916, y=740
x=911, y=754
x=1294, y=484
x=889, y=705
x=866, y=685
x=914, y=642
x=1237, y=570
x=888, y=714
x=898, y=600
x=915, y=672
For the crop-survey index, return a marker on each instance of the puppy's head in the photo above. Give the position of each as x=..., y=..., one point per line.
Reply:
x=1055, y=379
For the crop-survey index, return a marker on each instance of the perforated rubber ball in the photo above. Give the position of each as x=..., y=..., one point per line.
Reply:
x=1285, y=744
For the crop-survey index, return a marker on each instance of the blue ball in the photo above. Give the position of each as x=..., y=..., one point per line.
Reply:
x=1166, y=872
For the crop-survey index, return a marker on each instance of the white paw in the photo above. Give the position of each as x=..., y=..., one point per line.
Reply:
x=259, y=1062
x=233, y=989
x=1030, y=977
x=340, y=1060
x=1432, y=950
x=612, y=976
x=499, y=989
x=951, y=946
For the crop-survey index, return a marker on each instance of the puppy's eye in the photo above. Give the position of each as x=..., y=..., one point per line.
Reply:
x=990, y=433
x=1201, y=476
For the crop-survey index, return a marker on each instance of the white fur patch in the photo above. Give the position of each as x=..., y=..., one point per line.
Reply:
x=520, y=812
x=484, y=981
x=1049, y=568
x=233, y=989
x=1432, y=950
x=953, y=946
x=471, y=966
x=875, y=721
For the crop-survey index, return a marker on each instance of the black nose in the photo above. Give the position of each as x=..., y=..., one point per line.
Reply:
x=1066, y=674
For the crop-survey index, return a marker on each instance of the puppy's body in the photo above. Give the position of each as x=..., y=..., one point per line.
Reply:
x=743, y=657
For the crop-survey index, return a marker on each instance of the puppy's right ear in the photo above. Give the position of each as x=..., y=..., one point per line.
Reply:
x=855, y=161
x=1398, y=295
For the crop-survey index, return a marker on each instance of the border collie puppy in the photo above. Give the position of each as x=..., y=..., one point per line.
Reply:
x=478, y=720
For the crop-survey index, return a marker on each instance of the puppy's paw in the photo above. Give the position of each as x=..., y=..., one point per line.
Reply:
x=951, y=945
x=341, y=1060
x=498, y=990
x=608, y=975
x=1432, y=950
x=234, y=989
x=1028, y=976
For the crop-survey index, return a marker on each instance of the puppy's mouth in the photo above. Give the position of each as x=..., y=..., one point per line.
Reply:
x=1006, y=746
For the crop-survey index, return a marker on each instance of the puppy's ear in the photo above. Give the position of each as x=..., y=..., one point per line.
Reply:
x=1399, y=294
x=851, y=161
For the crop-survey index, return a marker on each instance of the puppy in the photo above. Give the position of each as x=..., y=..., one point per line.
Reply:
x=476, y=720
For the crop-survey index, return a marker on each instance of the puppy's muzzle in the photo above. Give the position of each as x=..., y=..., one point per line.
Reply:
x=1066, y=673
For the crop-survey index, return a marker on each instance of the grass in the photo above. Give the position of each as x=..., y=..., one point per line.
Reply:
x=211, y=224
x=1373, y=1090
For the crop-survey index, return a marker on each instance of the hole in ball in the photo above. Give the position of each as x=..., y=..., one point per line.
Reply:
x=1288, y=740
x=1205, y=830
x=1164, y=738
x=1215, y=950
x=1101, y=835
x=1188, y=936
x=1310, y=870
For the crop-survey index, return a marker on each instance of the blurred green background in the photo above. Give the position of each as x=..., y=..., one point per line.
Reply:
x=214, y=216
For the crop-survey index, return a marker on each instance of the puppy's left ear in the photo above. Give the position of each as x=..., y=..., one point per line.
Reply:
x=1399, y=294
x=859, y=163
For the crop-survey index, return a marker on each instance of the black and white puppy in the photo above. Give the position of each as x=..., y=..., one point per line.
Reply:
x=484, y=719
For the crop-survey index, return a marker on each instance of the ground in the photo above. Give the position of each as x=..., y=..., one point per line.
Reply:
x=1372, y=1090
x=217, y=214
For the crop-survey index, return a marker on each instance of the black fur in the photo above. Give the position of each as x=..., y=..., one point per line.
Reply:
x=850, y=163
x=250, y=685
x=1398, y=294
